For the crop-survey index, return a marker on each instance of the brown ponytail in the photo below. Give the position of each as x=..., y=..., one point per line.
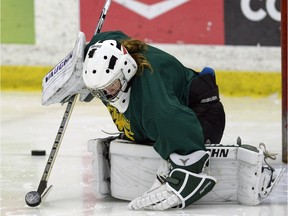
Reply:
x=136, y=48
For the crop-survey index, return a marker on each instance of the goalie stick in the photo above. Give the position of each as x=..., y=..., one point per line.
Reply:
x=34, y=198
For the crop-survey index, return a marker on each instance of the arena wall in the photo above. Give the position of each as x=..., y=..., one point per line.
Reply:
x=241, y=41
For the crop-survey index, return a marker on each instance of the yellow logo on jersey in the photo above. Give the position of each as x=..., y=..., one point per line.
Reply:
x=121, y=122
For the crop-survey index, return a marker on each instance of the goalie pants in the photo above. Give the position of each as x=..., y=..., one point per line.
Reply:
x=205, y=102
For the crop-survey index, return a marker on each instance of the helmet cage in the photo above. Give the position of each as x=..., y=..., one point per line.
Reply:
x=105, y=96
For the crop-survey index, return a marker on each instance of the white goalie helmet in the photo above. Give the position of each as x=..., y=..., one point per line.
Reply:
x=108, y=70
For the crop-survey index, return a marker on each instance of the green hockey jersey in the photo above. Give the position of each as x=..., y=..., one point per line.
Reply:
x=158, y=111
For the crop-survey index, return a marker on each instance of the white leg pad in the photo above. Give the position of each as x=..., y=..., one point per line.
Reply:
x=132, y=172
x=256, y=179
x=241, y=174
x=224, y=167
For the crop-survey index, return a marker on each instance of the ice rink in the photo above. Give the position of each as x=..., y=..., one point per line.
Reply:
x=27, y=125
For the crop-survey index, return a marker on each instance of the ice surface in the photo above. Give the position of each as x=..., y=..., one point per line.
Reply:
x=27, y=125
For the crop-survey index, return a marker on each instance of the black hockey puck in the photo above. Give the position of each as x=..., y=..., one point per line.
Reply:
x=33, y=198
x=38, y=152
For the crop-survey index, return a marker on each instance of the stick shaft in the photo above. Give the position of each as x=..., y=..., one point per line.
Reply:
x=102, y=17
x=59, y=137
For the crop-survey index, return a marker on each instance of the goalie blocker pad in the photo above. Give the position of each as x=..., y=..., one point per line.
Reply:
x=241, y=173
x=65, y=79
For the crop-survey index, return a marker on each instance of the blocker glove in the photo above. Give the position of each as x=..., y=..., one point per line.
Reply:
x=179, y=183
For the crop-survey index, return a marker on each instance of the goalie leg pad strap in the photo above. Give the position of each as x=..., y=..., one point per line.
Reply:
x=189, y=187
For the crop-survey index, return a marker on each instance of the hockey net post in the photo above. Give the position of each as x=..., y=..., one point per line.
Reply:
x=284, y=80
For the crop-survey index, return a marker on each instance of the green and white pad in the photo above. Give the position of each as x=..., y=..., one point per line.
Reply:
x=65, y=79
x=189, y=187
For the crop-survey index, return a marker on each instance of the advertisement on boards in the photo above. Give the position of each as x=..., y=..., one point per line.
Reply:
x=159, y=21
x=252, y=22
x=205, y=22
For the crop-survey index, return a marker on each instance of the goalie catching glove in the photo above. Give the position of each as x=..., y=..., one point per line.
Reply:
x=180, y=182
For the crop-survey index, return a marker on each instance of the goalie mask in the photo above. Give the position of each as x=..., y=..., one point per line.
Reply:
x=108, y=70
